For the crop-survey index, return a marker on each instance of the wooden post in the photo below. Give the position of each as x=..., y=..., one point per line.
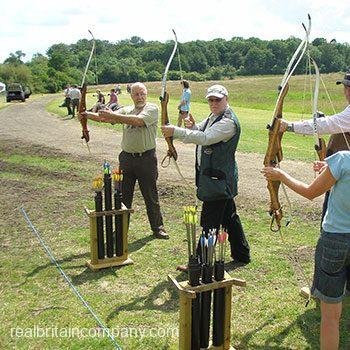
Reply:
x=227, y=318
x=185, y=322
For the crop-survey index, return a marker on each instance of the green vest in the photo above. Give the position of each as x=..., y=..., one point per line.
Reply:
x=217, y=175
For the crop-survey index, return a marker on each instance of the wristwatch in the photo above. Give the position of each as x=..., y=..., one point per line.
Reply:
x=290, y=127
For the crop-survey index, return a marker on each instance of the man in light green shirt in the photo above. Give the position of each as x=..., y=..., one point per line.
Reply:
x=138, y=158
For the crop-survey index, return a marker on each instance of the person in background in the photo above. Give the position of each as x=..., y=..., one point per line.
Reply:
x=332, y=255
x=216, y=138
x=100, y=103
x=184, y=106
x=138, y=158
x=67, y=100
x=118, y=89
x=113, y=102
x=75, y=96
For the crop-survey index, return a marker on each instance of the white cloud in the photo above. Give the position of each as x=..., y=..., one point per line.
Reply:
x=36, y=25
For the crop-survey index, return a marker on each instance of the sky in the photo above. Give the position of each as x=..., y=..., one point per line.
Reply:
x=32, y=26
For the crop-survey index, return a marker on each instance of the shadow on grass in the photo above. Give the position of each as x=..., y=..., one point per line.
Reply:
x=88, y=275
x=49, y=264
x=309, y=325
x=150, y=301
x=275, y=341
x=140, y=243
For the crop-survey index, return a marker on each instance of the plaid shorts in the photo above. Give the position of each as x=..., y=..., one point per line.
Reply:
x=332, y=264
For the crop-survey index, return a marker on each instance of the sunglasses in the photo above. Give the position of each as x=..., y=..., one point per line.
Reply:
x=216, y=100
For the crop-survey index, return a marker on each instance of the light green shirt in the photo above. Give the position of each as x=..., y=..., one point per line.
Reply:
x=138, y=139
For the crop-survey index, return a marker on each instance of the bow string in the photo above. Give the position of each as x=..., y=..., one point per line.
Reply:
x=82, y=103
x=320, y=144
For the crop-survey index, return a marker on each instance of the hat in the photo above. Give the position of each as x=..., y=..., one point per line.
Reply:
x=345, y=81
x=218, y=91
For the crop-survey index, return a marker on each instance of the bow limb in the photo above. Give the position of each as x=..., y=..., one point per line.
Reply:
x=171, y=153
x=320, y=144
x=82, y=103
x=272, y=158
x=164, y=99
x=298, y=54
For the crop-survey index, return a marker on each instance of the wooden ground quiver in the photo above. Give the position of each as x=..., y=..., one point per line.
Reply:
x=97, y=263
x=188, y=293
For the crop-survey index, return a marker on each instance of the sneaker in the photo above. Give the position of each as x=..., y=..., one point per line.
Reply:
x=182, y=268
x=305, y=293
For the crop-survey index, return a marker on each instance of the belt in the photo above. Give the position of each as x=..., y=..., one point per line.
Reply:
x=141, y=154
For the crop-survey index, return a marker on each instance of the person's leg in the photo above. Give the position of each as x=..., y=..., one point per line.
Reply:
x=332, y=258
x=147, y=175
x=68, y=105
x=179, y=120
x=211, y=218
x=240, y=250
x=75, y=103
x=129, y=178
x=330, y=317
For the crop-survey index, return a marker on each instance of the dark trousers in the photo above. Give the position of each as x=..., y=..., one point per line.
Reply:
x=75, y=105
x=324, y=209
x=223, y=212
x=67, y=103
x=144, y=169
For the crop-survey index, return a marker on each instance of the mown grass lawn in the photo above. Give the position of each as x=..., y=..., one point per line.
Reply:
x=137, y=302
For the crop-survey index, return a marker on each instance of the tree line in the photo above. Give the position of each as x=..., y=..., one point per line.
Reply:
x=135, y=59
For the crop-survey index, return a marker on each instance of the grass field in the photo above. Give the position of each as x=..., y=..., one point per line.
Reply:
x=137, y=302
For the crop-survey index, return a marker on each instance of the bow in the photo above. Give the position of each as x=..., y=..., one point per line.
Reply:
x=320, y=144
x=164, y=99
x=82, y=103
x=274, y=153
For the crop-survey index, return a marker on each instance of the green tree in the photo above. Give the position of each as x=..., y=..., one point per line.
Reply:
x=15, y=58
x=331, y=60
x=256, y=61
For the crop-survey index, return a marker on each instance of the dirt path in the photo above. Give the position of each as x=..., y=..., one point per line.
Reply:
x=30, y=123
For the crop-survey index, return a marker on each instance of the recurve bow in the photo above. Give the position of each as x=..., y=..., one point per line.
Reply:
x=274, y=153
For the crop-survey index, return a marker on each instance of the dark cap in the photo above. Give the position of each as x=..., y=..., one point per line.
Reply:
x=345, y=81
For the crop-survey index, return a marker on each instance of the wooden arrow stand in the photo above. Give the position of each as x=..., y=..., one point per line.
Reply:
x=95, y=263
x=187, y=293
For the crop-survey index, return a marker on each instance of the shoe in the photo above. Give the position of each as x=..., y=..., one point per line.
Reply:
x=182, y=268
x=160, y=234
x=305, y=293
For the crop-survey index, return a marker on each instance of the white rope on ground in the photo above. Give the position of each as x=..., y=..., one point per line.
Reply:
x=71, y=285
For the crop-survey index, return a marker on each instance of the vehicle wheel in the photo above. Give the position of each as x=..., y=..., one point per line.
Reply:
x=23, y=100
x=8, y=100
